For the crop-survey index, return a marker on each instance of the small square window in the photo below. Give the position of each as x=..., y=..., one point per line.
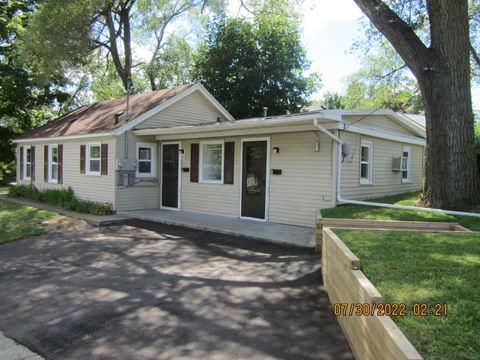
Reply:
x=146, y=159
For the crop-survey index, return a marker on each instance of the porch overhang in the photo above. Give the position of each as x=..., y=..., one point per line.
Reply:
x=257, y=126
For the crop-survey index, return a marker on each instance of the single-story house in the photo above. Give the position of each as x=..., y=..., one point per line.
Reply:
x=180, y=149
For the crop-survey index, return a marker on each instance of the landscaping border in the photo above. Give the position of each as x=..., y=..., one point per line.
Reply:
x=382, y=225
x=370, y=336
x=96, y=220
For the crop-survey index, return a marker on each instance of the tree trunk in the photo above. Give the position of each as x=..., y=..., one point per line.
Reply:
x=443, y=74
x=451, y=169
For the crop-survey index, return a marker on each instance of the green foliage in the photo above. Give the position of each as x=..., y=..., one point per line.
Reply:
x=415, y=14
x=7, y=155
x=427, y=268
x=60, y=35
x=333, y=100
x=383, y=82
x=248, y=65
x=172, y=66
x=61, y=197
x=19, y=221
x=24, y=102
x=103, y=44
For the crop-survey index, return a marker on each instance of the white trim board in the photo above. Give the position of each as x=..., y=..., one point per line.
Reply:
x=388, y=136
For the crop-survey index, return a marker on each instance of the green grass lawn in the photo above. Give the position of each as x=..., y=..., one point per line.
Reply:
x=427, y=268
x=410, y=199
x=19, y=221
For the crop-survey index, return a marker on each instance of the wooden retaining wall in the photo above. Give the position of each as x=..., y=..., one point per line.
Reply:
x=382, y=225
x=370, y=337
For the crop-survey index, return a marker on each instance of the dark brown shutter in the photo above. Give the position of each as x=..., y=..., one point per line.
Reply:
x=104, y=162
x=45, y=163
x=60, y=163
x=21, y=162
x=228, y=162
x=32, y=152
x=82, y=159
x=194, y=153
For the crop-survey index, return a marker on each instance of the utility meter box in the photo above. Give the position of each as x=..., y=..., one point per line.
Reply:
x=345, y=149
x=126, y=165
x=126, y=172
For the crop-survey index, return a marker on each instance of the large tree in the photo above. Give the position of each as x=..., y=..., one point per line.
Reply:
x=248, y=64
x=63, y=35
x=442, y=69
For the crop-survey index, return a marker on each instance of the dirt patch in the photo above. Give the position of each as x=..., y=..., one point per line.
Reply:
x=60, y=223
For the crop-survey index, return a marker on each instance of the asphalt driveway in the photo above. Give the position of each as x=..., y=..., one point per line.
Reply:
x=151, y=291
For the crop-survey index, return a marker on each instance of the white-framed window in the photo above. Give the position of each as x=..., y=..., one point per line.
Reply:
x=146, y=159
x=406, y=164
x=27, y=162
x=211, y=161
x=366, y=166
x=94, y=153
x=53, y=163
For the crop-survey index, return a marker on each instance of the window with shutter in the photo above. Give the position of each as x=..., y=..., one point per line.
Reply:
x=229, y=158
x=194, y=153
x=82, y=158
x=60, y=164
x=104, y=158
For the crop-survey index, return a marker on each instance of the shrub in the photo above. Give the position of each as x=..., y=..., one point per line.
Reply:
x=24, y=191
x=62, y=197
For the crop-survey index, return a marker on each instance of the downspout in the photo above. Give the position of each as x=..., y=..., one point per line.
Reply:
x=341, y=200
x=126, y=122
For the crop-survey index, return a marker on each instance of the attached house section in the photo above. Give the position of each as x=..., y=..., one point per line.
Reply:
x=87, y=166
x=372, y=167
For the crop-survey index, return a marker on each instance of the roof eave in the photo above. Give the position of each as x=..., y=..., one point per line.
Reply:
x=231, y=126
x=59, y=138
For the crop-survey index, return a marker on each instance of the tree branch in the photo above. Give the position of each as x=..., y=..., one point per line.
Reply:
x=397, y=32
x=114, y=49
x=474, y=54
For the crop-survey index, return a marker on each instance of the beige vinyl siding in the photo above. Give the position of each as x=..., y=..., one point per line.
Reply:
x=385, y=181
x=377, y=123
x=305, y=184
x=88, y=187
x=145, y=194
x=192, y=109
x=219, y=199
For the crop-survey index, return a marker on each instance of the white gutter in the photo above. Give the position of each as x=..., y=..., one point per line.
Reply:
x=341, y=200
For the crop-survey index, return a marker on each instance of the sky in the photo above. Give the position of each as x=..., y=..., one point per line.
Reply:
x=329, y=29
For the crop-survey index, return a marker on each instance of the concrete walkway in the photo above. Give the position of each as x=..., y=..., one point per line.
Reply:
x=10, y=350
x=278, y=233
x=89, y=218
